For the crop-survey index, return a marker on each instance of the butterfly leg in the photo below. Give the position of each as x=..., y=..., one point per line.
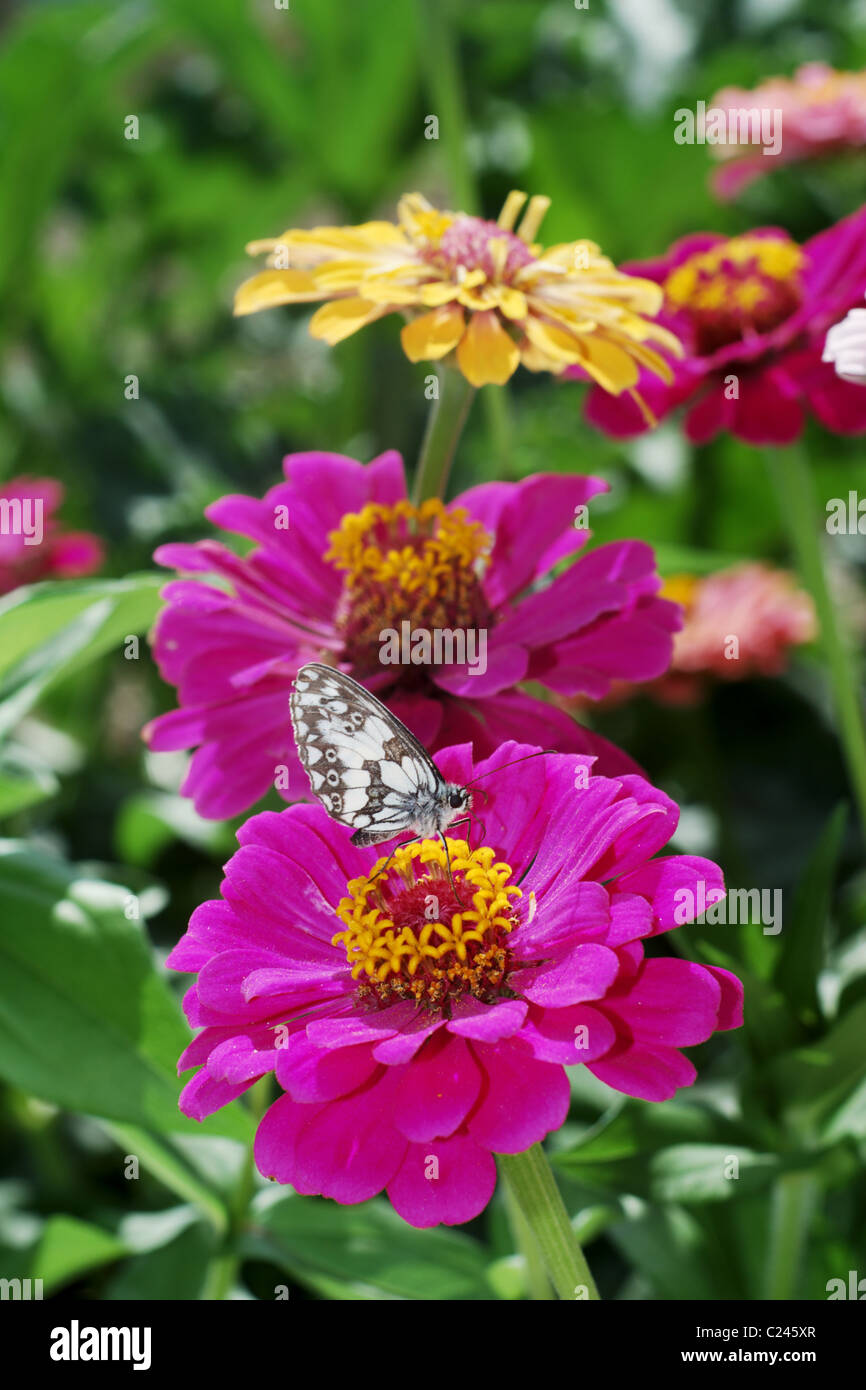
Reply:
x=450, y=874
x=384, y=867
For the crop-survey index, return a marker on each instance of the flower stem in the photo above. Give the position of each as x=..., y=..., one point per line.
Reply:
x=531, y=1185
x=537, y=1282
x=223, y=1268
x=791, y=1211
x=798, y=505
x=446, y=93
x=444, y=427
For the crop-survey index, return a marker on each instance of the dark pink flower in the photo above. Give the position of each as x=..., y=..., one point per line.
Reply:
x=416, y=1033
x=33, y=545
x=340, y=558
x=752, y=313
x=822, y=112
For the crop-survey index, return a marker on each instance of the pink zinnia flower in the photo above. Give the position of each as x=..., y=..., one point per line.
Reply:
x=33, y=545
x=415, y=1037
x=739, y=622
x=357, y=560
x=822, y=112
x=752, y=312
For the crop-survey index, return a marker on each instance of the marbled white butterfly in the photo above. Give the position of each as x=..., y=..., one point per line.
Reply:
x=369, y=772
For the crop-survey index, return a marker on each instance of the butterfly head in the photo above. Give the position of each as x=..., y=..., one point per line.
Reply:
x=457, y=799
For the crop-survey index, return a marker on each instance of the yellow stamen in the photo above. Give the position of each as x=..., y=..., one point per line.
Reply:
x=442, y=539
x=436, y=958
x=510, y=208
x=533, y=218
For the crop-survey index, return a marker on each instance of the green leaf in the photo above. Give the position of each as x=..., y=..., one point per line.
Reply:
x=613, y=1156
x=86, y=1022
x=176, y=1270
x=368, y=1247
x=48, y=631
x=804, y=936
x=69, y=1248
x=23, y=782
x=813, y=1086
x=701, y=1172
x=158, y=1157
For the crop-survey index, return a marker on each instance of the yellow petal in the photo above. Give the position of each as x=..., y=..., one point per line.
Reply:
x=433, y=335
x=339, y=320
x=512, y=303
x=611, y=366
x=486, y=354
x=272, y=287
x=438, y=292
x=556, y=343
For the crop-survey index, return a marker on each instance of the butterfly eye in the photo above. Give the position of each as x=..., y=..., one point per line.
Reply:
x=455, y=800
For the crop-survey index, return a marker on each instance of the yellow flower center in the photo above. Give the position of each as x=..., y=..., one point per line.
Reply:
x=404, y=563
x=740, y=287
x=409, y=935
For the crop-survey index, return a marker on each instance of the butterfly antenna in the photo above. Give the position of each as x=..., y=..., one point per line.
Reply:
x=539, y=753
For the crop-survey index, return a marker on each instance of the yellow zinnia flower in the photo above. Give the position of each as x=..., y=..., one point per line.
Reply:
x=478, y=289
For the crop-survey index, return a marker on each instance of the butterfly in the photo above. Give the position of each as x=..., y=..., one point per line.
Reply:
x=366, y=768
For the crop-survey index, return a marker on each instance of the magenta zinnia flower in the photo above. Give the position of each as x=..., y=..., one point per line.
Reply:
x=416, y=1033
x=341, y=557
x=33, y=544
x=752, y=312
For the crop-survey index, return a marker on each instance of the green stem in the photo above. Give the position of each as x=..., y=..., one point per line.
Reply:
x=446, y=92
x=791, y=1212
x=500, y=427
x=799, y=507
x=537, y=1282
x=223, y=1268
x=531, y=1184
x=444, y=427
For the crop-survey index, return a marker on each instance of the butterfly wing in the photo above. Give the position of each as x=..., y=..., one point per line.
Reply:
x=368, y=771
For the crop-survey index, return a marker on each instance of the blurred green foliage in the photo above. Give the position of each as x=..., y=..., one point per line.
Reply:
x=118, y=258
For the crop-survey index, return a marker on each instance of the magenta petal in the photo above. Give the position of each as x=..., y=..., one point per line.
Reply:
x=646, y=1071
x=676, y=886
x=202, y=1094
x=487, y=1022
x=731, y=1004
x=310, y=1073
x=523, y=1101
x=350, y=1150
x=446, y=1181
x=361, y=1028
x=276, y=1137
x=674, y=1002
x=437, y=1091
x=587, y=972
x=568, y=1036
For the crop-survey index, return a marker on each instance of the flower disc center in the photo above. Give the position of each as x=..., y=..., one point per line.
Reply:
x=745, y=286
x=401, y=563
x=408, y=935
x=471, y=243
